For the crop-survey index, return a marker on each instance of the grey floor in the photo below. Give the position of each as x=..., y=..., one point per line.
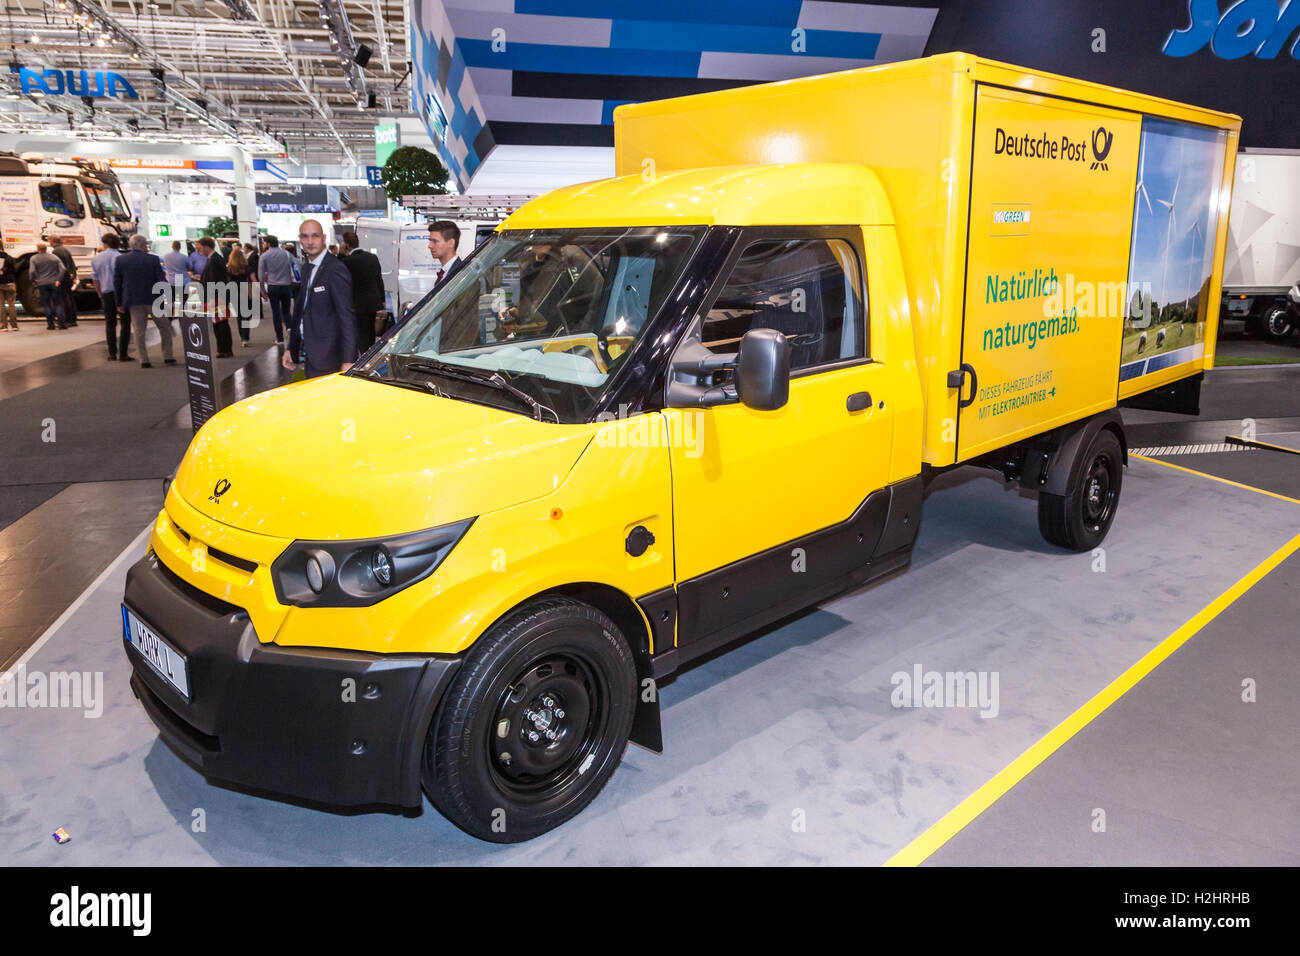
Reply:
x=795, y=727
x=1184, y=770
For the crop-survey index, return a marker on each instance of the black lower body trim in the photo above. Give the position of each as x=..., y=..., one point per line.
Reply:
x=717, y=607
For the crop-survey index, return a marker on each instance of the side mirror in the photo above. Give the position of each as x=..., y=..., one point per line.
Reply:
x=763, y=370
x=761, y=377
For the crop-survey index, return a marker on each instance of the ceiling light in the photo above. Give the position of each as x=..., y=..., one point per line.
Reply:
x=102, y=41
x=34, y=39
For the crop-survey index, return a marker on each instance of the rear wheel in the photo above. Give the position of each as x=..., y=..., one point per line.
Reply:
x=534, y=724
x=1079, y=521
x=1277, y=324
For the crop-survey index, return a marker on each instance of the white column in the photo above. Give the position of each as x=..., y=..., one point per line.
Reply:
x=245, y=194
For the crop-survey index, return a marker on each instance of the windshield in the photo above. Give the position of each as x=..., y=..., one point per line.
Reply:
x=106, y=202
x=538, y=322
x=61, y=199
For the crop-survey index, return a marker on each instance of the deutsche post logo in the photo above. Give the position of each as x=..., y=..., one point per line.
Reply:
x=1101, y=142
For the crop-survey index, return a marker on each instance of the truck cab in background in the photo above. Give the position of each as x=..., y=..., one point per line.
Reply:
x=78, y=201
x=1263, y=255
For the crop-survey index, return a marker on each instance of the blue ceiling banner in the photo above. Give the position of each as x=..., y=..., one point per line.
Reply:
x=550, y=72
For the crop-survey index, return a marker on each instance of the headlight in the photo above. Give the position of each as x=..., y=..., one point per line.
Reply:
x=360, y=573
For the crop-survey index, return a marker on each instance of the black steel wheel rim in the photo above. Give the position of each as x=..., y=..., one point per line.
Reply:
x=1098, y=493
x=548, y=726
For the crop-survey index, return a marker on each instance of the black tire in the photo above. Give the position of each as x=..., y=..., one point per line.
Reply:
x=28, y=294
x=1079, y=521
x=1277, y=323
x=555, y=667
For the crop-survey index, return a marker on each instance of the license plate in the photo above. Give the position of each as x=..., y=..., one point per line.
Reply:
x=167, y=662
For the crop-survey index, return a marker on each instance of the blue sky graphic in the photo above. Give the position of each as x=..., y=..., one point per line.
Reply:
x=1188, y=157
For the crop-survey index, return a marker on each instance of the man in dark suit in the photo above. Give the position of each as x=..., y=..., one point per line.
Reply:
x=367, y=288
x=139, y=285
x=461, y=327
x=444, y=246
x=324, y=333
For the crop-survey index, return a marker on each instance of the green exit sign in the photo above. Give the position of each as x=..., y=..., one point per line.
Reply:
x=164, y=230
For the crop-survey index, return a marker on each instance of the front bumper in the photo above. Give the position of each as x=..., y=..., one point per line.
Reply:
x=283, y=720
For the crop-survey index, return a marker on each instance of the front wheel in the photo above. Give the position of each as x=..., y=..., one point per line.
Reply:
x=28, y=294
x=534, y=724
x=1079, y=521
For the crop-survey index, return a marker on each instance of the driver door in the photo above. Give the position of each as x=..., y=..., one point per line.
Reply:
x=758, y=496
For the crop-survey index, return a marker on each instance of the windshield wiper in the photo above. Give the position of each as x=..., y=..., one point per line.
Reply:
x=487, y=377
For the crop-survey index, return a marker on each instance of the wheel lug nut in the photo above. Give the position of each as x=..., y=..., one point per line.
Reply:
x=533, y=736
x=559, y=713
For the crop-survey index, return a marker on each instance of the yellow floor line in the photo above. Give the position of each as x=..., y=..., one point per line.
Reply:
x=1235, y=484
x=960, y=816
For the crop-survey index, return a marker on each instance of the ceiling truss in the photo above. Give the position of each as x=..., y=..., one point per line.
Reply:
x=271, y=75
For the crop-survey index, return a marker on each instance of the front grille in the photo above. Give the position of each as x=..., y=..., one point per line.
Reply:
x=243, y=565
x=214, y=604
x=224, y=556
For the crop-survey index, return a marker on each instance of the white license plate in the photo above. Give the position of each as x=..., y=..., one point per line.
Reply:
x=166, y=661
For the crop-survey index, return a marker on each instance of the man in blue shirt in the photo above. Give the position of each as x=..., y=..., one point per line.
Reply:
x=101, y=268
x=177, y=266
x=197, y=262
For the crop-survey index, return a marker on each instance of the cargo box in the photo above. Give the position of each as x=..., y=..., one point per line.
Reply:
x=1062, y=241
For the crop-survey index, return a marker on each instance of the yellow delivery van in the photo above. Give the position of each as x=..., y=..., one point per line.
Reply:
x=657, y=412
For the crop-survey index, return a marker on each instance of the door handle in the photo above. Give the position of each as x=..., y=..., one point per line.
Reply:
x=858, y=401
x=957, y=378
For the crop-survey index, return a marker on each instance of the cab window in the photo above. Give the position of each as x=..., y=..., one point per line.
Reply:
x=62, y=200
x=806, y=289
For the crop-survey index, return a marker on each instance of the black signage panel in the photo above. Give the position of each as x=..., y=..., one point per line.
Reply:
x=200, y=367
x=1239, y=56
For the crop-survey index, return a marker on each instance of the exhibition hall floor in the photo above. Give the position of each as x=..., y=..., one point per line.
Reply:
x=791, y=748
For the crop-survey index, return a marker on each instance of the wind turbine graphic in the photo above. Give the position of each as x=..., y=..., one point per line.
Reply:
x=1197, y=231
x=1169, y=235
x=1137, y=311
x=1141, y=189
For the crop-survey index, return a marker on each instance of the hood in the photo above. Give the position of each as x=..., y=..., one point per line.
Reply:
x=342, y=457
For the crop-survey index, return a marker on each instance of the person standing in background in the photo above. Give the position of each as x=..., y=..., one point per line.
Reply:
x=250, y=253
x=138, y=279
x=216, y=284
x=68, y=282
x=101, y=269
x=324, y=335
x=8, y=290
x=198, y=259
x=237, y=266
x=444, y=243
x=367, y=288
x=275, y=274
x=177, y=266
x=45, y=269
